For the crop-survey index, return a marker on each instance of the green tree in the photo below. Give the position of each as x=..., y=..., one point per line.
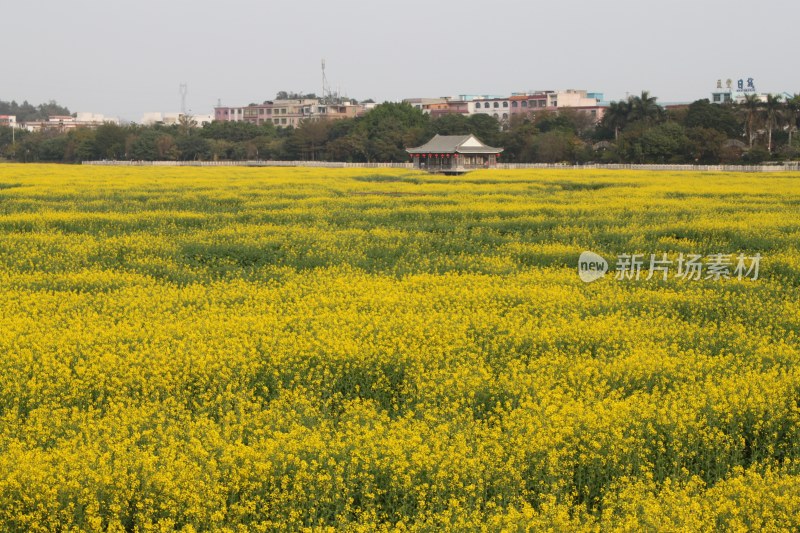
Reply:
x=309, y=139
x=186, y=125
x=8, y=139
x=486, y=128
x=145, y=145
x=705, y=145
x=27, y=149
x=50, y=109
x=452, y=124
x=80, y=145
x=52, y=149
x=645, y=109
x=558, y=145
x=616, y=116
x=750, y=108
x=26, y=112
x=351, y=147
x=110, y=141
x=550, y=120
x=663, y=143
x=166, y=150
x=193, y=148
x=390, y=128
x=704, y=114
x=792, y=116
x=772, y=109
x=519, y=141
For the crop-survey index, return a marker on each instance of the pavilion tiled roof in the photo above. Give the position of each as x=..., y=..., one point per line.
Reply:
x=452, y=144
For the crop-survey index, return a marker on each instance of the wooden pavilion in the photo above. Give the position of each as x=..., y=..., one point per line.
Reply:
x=454, y=154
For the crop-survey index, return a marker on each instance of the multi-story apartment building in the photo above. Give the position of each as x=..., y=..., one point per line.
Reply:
x=426, y=105
x=498, y=107
x=439, y=106
x=503, y=108
x=529, y=103
x=285, y=113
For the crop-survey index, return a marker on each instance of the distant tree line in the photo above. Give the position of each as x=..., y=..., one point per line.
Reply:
x=26, y=112
x=636, y=130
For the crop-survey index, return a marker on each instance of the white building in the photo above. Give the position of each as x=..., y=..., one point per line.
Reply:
x=156, y=117
x=497, y=107
x=87, y=118
x=172, y=119
x=292, y=112
x=203, y=119
x=67, y=122
x=503, y=108
x=9, y=121
x=734, y=92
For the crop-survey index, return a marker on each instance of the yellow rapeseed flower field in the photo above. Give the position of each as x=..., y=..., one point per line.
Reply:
x=241, y=349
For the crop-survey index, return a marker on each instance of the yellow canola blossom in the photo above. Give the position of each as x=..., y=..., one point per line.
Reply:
x=239, y=349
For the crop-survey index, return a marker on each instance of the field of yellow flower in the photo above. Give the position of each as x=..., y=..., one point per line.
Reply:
x=239, y=349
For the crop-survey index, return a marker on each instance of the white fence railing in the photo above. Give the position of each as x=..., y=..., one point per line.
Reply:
x=322, y=164
x=791, y=167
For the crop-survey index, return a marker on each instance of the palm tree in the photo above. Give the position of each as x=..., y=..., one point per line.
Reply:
x=772, y=116
x=616, y=116
x=644, y=108
x=793, y=112
x=750, y=105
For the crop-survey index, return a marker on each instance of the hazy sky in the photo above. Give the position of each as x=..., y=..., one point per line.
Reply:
x=126, y=57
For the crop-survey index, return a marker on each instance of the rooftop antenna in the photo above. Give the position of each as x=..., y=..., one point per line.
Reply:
x=219, y=102
x=183, y=90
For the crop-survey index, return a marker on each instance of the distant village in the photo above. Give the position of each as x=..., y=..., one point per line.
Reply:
x=292, y=109
x=734, y=123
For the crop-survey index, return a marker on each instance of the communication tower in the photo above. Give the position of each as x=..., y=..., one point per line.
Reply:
x=183, y=90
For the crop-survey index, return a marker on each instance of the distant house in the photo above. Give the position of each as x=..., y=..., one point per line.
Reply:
x=504, y=108
x=454, y=154
x=285, y=113
x=172, y=119
x=62, y=123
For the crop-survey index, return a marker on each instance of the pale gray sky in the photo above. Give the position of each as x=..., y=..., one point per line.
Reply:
x=126, y=57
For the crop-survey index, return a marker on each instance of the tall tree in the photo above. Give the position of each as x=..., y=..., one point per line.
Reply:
x=704, y=114
x=772, y=116
x=451, y=124
x=645, y=108
x=186, y=123
x=390, y=128
x=486, y=128
x=750, y=105
x=308, y=141
x=616, y=116
x=792, y=115
x=664, y=143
